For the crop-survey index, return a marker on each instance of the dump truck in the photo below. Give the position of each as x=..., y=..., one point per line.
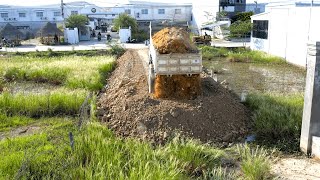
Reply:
x=173, y=61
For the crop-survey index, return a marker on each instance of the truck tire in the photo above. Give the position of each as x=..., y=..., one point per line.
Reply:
x=151, y=79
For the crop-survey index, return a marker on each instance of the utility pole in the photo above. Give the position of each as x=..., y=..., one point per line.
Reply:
x=256, y=7
x=62, y=14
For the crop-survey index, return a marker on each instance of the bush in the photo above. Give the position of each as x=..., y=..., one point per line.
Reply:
x=117, y=50
x=140, y=36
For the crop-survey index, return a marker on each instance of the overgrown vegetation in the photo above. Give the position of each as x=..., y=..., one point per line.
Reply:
x=50, y=53
x=239, y=55
x=69, y=71
x=277, y=119
x=97, y=153
x=39, y=105
x=59, y=149
x=255, y=162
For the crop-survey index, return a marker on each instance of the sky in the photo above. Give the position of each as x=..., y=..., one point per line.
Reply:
x=98, y=2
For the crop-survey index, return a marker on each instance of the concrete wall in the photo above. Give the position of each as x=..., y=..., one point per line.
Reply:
x=289, y=31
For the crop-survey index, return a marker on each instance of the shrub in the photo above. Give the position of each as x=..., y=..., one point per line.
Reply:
x=117, y=50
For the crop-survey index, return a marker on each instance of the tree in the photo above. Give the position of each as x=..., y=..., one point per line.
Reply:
x=76, y=21
x=124, y=20
x=242, y=16
x=240, y=28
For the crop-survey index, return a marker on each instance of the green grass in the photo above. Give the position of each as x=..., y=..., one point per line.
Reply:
x=38, y=105
x=99, y=154
x=193, y=155
x=239, y=55
x=70, y=71
x=211, y=53
x=255, y=163
x=9, y=122
x=50, y=53
x=245, y=55
x=277, y=119
x=36, y=156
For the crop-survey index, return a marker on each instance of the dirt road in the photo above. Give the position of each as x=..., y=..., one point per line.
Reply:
x=129, y=110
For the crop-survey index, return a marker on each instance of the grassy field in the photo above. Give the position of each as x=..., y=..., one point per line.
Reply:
x=59, y=149
x=239, y=55
x=277, y=119
x=69, y=71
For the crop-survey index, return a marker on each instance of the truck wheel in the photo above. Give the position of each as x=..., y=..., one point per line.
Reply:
x=151, y=79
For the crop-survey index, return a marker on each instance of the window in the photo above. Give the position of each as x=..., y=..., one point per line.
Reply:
x=74, y=12
x=22, y=14
x=113, y=15
x=177, y=11
x=161, y=11
x=127, y=11
x=260, y=29
x=57, y=13
x=144, y=11
x=39, y=14
x=4, y=15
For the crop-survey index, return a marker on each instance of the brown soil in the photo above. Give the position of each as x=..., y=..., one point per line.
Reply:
x=129, y=110
x=173, y=40
x=177, y=86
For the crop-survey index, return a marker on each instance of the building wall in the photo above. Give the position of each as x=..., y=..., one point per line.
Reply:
x=153, y=13
x=289, y=32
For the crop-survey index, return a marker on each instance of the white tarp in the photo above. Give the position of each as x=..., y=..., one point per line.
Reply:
x=71, y=35
x=125, y=35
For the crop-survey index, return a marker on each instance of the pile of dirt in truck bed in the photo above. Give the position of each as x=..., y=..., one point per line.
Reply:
x=130, y=111
x=173, y=40
x=177, y=86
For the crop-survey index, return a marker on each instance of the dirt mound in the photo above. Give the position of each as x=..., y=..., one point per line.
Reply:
x=129, y=110
x=177, y=86
x=173, y=40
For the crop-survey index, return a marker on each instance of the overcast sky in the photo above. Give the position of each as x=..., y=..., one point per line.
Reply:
x=99, y=2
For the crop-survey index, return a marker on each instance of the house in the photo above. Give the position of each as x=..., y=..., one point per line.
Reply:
x=285, y=29
x=144, y=11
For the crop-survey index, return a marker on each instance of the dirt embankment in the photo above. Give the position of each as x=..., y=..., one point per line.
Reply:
x=129, y=110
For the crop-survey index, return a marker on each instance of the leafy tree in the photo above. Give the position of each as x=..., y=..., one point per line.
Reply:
x=76, y=21
x=240, y=28
x=242, y=16
x=124, y=20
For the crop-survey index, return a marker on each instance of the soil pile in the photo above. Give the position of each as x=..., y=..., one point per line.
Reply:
x=177, y=86
x=173, y=40
x=130, y=111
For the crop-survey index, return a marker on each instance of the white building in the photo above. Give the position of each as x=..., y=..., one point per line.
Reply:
x=154, y=11
x=285, y=29
x=33, y=18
